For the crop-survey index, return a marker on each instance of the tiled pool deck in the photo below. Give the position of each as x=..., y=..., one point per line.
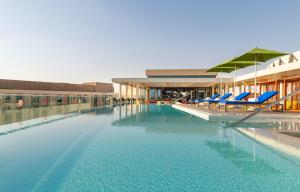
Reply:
x=218, y=115
x=273, y=138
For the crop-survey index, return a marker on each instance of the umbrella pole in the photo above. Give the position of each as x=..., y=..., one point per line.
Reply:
x=234, y=80
x=221, y=83
x=255, y=76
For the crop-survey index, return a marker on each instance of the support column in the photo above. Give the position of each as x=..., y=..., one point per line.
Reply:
x=212, y=90
x=226, y=88
x=120, y=91
x=120, y=112
x=137, y=93
x=111, y=101
x=126, y=91
x=284, y=93
x=140, y=93
x=259, y=84
x=277, y=89
x=131, y=92
x=156, y=94
x=147, y=94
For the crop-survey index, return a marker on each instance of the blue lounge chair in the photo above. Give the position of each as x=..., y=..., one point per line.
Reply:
x=259, y=101
x=224, y=97
x=216, y=101
x=203, y=100
x=241, y=96
x=227, y=95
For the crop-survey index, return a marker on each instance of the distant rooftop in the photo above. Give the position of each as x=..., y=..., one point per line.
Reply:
x=173, y=78
x=188, y=73
x=6, y=84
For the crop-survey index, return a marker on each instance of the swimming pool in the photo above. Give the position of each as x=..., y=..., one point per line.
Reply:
x=140, y=148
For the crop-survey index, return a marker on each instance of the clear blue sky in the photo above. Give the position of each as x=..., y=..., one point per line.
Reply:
x=77, y=41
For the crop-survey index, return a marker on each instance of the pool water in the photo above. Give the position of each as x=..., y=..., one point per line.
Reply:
x=140, y=148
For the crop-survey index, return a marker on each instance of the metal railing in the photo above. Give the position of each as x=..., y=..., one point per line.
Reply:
x=182, y=97
x=265, y=108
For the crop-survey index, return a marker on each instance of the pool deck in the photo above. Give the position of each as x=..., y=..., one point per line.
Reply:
x=284, y=143
x=273, y=137
x=217, y=115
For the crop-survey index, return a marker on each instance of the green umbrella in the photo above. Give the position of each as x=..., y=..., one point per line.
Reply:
x=258, y=55
x=230, y=66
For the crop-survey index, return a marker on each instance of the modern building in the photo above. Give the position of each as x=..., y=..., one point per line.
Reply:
x=169, y=84
x=25, y=94
x=282, y=75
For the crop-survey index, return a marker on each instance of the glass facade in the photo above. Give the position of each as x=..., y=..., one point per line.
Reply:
x=30, y=101
x=174, y=93
x=292, y=103
x=283, y=86
x=16, y=108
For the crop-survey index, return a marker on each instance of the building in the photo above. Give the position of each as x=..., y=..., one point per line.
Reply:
x=282, y=75
x=25, y=94
x=169, y=84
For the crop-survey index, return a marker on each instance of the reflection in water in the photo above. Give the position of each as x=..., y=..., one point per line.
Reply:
x=141, y=148
x=22, y=119
x=154, y=119
x=245, y=161
x=18, y=115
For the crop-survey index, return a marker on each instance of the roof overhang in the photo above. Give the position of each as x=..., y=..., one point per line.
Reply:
x=178, y=73
x=169, y=82
x=285, y=71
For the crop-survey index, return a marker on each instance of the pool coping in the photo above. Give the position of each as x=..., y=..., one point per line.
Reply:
x=221, y=116
x=282, y=145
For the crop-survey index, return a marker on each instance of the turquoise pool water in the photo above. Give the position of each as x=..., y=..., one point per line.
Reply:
x=140, y=148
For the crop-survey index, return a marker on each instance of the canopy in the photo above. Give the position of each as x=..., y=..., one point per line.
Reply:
x=247, y=59
x=229, y=66
x=221, y=69
x=258, y=55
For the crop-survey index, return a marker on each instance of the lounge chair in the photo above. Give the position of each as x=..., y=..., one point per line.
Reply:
x=224, y=97
x=216, y=101
x=211, y=98
x=258, y=101
x=241, y=96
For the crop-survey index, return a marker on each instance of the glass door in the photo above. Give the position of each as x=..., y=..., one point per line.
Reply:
x=295, y=100
x=288, y=101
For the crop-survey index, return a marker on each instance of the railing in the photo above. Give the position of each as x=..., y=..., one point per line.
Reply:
x=182, y=97
x=265, y=108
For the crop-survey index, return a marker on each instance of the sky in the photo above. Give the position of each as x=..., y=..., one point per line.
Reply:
x=96, y=40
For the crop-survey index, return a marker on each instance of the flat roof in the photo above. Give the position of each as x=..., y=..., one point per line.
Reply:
x=7, y=84
x=179, y=73
x=169, y=82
